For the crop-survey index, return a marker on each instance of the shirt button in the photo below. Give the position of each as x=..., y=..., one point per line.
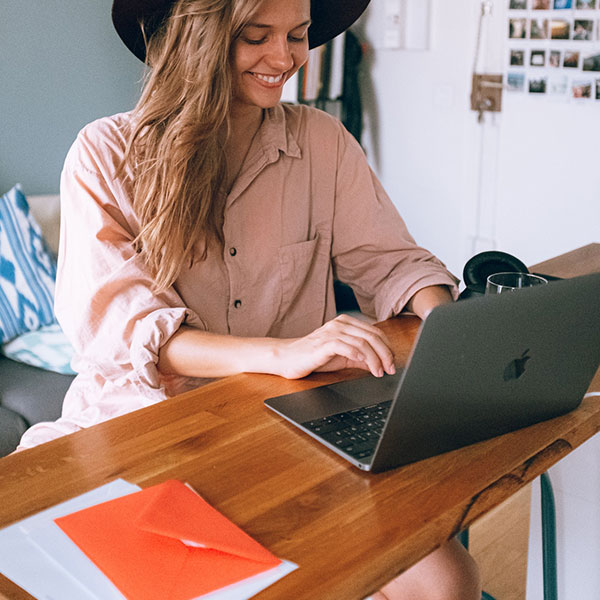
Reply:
x=237, y=303
x=232, y=251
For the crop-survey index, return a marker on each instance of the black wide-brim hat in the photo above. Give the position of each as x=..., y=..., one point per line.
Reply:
x=329, y=18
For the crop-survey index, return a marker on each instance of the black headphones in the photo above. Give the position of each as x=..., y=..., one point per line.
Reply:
x=482, y=265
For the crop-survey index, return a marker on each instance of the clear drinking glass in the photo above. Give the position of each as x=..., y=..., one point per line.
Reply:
x=499, y=283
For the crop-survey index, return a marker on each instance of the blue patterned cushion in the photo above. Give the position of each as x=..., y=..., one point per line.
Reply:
x=46, y=348
x=27, y=269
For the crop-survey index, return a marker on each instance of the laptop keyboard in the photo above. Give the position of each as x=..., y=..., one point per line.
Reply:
x=356, y=431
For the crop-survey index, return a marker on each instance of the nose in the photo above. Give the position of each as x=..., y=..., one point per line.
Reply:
x=280, y=56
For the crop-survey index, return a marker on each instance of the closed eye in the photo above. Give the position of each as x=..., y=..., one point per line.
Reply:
x=254, y=42
x=296, y=35
x=291, y=38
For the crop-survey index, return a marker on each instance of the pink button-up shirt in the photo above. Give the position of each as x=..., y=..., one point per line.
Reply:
x=305, y=209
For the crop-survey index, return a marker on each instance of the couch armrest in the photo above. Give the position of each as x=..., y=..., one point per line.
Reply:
x=35, y=394
x=12, y=427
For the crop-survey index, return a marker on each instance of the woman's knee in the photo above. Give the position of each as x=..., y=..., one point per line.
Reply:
x=463, y=580
x=448, y=573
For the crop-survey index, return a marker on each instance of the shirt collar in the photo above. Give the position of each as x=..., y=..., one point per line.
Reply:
x=275, y=134
x=274, y=138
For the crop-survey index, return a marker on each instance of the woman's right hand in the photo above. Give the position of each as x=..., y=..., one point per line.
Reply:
x=341, y=343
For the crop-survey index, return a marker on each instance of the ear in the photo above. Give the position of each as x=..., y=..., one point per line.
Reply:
x=479, y=267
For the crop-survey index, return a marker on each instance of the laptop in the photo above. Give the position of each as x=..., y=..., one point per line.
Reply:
x=479, y=368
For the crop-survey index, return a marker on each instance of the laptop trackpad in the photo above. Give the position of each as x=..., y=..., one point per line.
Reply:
x=328, y=400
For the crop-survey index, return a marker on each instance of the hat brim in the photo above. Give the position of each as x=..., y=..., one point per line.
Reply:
x=332, y=17
x=329, y=19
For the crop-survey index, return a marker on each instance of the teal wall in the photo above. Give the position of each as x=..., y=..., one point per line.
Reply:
x=61, y=66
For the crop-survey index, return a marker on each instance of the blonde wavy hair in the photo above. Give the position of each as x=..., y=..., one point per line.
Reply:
x=175, y=146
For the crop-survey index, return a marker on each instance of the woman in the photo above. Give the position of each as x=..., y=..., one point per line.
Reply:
x=204, y=229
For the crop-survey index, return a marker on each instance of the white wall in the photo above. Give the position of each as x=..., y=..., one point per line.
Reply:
x=549, y=182
x=418, y=134
x=526, y=181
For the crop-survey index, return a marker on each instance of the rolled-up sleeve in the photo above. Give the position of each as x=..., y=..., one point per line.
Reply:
x=372, y=249
x=104, y=300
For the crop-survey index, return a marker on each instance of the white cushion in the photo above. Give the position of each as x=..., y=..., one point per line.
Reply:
x=46, y=211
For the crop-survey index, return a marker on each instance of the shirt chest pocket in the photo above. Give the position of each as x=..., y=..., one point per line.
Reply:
x=304, y=268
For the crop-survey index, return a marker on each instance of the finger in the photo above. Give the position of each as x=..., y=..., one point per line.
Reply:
x=368, y=328
x=360, y=323
x=341, y=362
x=370, y=342
x=377, y=354
x=342, y=348
x=374, y=361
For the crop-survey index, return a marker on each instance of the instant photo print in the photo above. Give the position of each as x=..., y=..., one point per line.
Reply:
x=560, y=29
x=571, y=59
x=517, y=58
x=515, y=82
x=538, y=29
x=538, y=58
x=537, y=85
x=517, y=29
x=591, y=63
x=581, y=89
x=554, y=59
x=583, y=30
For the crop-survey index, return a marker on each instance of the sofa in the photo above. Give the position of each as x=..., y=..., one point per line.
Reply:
x=29, y=394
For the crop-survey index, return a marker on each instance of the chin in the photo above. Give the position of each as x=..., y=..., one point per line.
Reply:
x=263, y=102
x=270, y=104
x=252, y=93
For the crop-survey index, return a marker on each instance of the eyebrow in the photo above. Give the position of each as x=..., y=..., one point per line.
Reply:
x=265, y=26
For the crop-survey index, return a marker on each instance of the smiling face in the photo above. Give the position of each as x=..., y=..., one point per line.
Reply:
x=271, y=48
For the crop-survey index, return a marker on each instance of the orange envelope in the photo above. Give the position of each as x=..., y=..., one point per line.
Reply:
x=165, y=542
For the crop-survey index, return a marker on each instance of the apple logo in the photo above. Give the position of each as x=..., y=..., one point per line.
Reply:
x=516, y=368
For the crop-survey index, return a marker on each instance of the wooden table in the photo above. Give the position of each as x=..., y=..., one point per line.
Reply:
x=349, y=531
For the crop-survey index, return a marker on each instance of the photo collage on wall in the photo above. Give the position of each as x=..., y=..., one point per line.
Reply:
x=554, y=48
